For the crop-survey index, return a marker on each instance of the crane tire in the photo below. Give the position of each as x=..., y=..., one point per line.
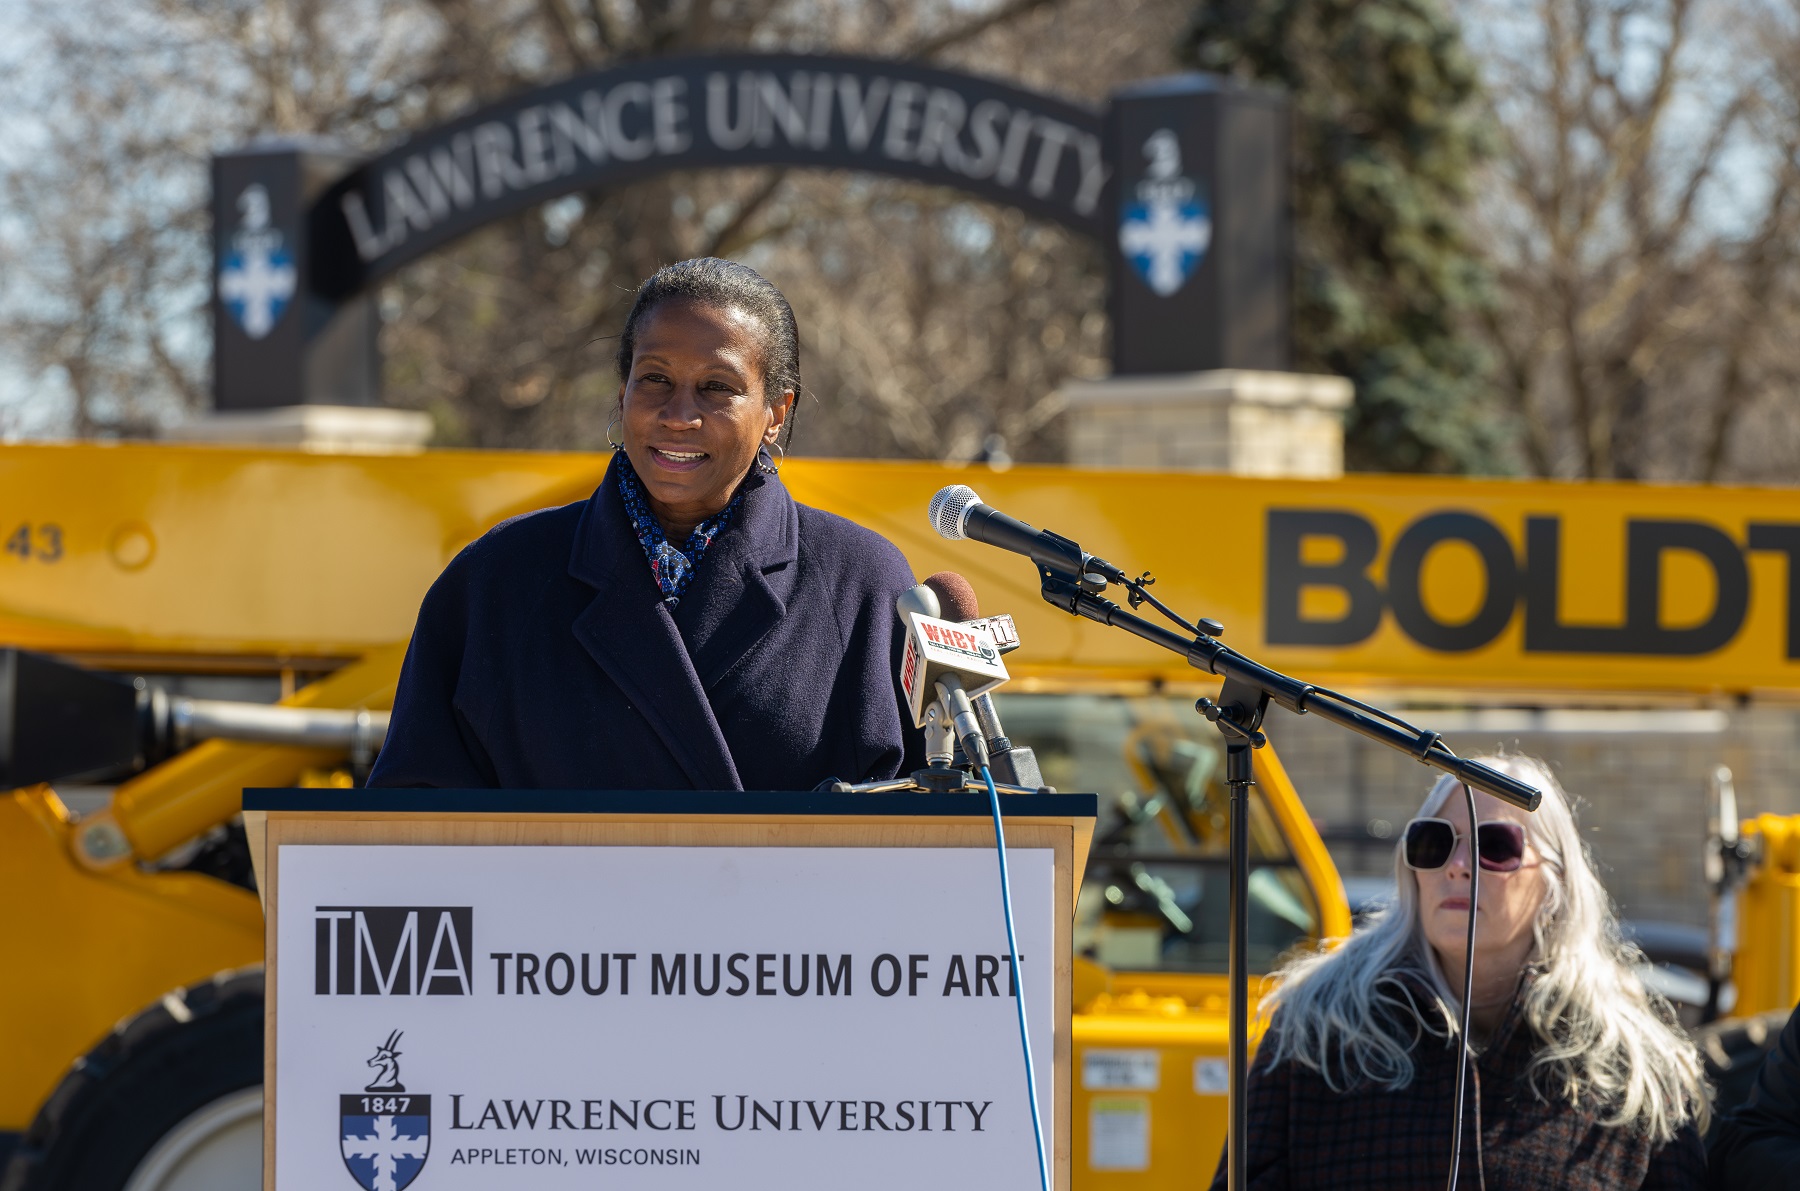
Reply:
x=125, y=1111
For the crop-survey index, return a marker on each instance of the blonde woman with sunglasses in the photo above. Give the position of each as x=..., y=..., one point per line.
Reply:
x=1578, y=1077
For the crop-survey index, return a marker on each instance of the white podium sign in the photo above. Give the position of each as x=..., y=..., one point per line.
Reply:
x=547, y=1017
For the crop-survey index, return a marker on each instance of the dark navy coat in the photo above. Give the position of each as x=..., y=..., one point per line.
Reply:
x=545, y=657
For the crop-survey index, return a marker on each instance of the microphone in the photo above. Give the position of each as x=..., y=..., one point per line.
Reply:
x=921, y=600
x=955, y=597
x=957, y=513
x=955, y=600
x=963, y=719
x=943, y=664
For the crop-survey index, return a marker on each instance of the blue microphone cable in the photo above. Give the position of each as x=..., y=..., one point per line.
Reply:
x=1012, y=943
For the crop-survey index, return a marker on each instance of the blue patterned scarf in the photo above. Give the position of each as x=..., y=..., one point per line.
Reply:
x=671, y=566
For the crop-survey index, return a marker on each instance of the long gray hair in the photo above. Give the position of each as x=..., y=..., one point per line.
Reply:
x=1603, y=1043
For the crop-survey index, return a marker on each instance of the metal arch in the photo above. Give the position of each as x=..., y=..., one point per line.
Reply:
x=442, y=191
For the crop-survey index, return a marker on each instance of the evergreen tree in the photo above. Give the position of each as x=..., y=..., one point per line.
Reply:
x=1388, y=132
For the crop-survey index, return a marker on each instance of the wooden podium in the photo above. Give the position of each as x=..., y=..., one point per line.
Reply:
x=479, y=988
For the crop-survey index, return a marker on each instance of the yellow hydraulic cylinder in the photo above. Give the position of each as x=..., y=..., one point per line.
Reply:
x=1767, y=966
x=177, y=800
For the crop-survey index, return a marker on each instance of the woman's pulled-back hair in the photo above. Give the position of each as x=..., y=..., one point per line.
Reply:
x=1602, y=1043
x=725, y=285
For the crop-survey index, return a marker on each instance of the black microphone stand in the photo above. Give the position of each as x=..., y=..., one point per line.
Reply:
x=1238, y=715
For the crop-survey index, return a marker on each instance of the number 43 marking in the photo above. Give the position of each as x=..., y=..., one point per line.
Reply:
x=43, y=542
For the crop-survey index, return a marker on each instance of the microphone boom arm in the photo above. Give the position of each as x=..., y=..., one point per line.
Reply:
x=1259, y=683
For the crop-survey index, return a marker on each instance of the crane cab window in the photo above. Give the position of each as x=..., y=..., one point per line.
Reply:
x=1156, y=895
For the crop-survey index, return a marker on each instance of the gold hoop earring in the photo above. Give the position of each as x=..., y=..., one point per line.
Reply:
x=616, y=421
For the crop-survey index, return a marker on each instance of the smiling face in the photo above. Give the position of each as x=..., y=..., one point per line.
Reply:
x=1509, y=900
x=694, y=410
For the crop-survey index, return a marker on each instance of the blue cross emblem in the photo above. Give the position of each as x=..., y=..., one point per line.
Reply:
x=256, y=287
x=258, y=278
x=1165, y=233
x=1165, y=238
x=385, y=1152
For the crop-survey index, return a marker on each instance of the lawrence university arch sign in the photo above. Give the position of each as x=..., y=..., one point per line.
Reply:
x=1183, y=181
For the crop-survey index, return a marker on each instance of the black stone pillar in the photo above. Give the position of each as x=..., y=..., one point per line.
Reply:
x=1201, y=254
x=276, y=342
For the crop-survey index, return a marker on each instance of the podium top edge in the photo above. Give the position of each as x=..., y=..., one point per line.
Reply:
x=663, y=802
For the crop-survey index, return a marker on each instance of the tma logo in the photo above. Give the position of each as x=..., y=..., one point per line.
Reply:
x=377, y=950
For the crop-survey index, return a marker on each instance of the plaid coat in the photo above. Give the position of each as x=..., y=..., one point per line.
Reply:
x=1304, y=1135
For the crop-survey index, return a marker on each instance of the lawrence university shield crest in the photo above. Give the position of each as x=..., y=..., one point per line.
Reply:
x=385, y=1132
x=257, y=278
x=1165, y=233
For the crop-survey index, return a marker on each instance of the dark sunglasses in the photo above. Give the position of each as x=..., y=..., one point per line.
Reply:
x=1500, y=846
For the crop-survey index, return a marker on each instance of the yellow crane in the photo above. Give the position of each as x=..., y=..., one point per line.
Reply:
x=243, y=613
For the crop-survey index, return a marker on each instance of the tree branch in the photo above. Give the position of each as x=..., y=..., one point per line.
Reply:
x=1769, y=253
x=726, y=239
x=562, y=22
x=937, y=43
x=1516, y=365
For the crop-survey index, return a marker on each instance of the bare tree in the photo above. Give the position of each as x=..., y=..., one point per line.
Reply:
x=1641, y=227
x=117, y=105
x=1753, y=431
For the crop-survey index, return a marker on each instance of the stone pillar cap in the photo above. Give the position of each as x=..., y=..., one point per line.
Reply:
x=333, y=429
x=1239, y=385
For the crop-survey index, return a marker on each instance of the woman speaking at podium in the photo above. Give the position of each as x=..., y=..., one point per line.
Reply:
x=688, y=626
